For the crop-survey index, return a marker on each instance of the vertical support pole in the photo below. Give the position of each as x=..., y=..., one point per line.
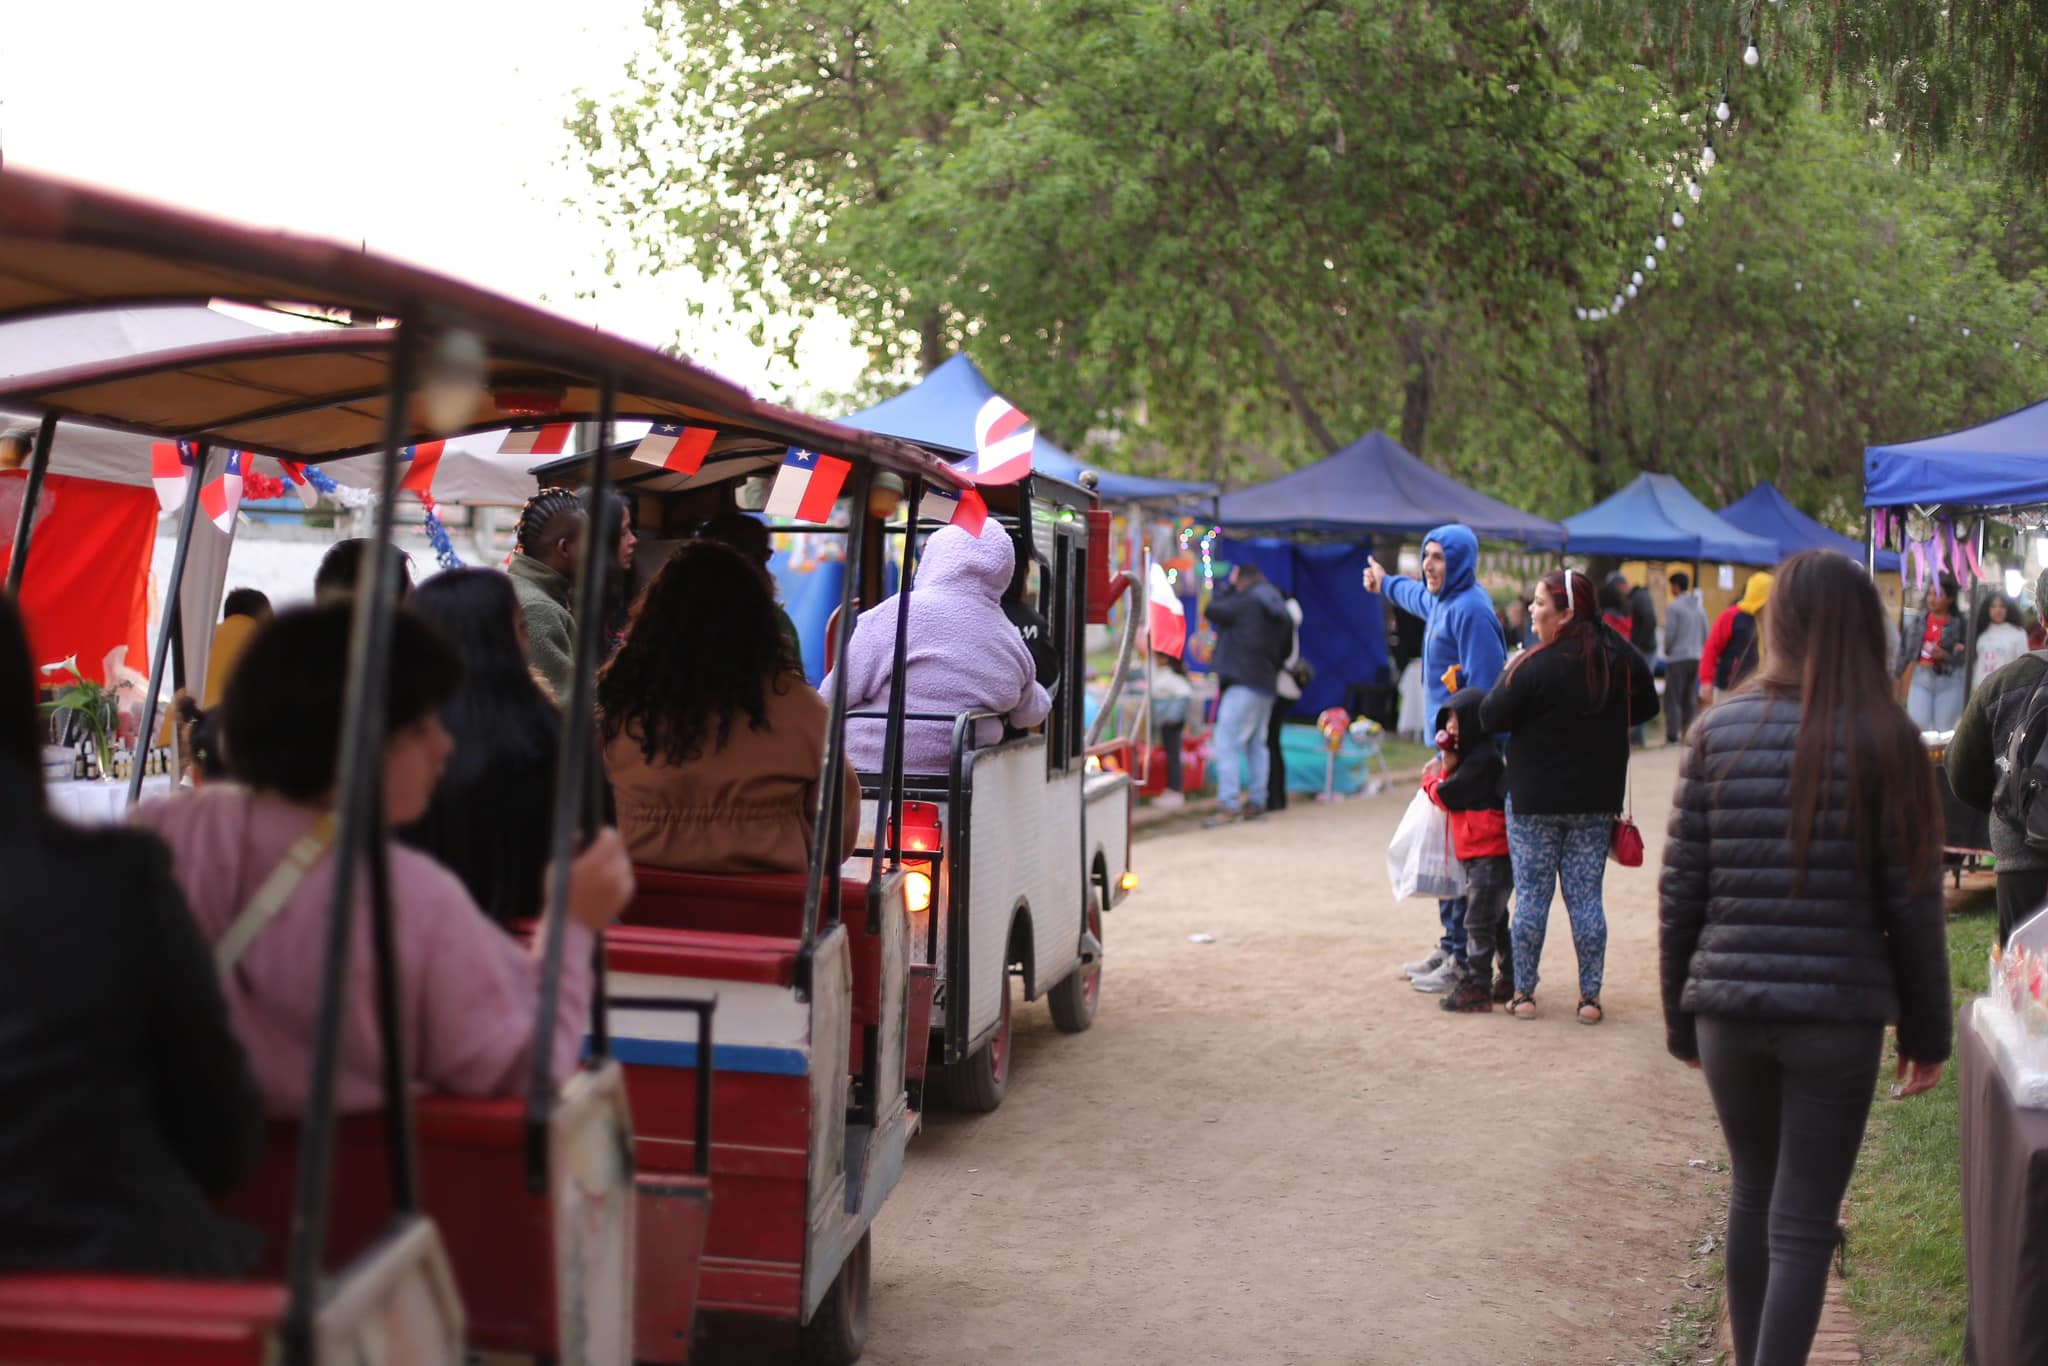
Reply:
x=188, y=517
x=826, y=851
x=572, y=787
x=358, y=773
x=38, y=466
x=889, y=800
x=1870, y=542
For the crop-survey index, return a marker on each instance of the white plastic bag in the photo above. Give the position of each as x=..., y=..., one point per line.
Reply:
x=1419, y=860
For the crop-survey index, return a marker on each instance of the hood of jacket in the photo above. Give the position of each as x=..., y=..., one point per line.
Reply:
x=1464, y=705
x=956, y=561
x=1757, y=592
x=1461, y=557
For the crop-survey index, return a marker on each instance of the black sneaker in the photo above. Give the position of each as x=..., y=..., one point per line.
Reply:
x=1255, y=813
x=1503, y=989
x=1468, y=998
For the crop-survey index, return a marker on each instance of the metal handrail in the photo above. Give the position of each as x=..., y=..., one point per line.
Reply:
x=702, y=1010
x=889, y=803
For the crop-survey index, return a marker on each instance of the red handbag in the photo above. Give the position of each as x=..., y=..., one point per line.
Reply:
x=1625, y=846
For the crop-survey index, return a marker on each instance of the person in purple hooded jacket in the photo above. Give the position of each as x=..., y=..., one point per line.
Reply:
x=963, y=655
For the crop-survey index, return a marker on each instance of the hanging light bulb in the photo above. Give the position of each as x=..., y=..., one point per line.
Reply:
x=1966, y=331
x=1798, y=286
x=1750, y=56
x=1707, y=157
x=1649, y=263
x=1692, y=190
x=1616, y=303
x=1739, y=267
x=1721, y=110
x=1855, y=303
x=1659, y=242
x=1579, y=313
x=1636, y=278
x=1911, y=319
x=1631, y=290
x=1678, y=218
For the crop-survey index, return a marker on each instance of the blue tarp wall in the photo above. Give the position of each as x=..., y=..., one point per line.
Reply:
x=1343, y=628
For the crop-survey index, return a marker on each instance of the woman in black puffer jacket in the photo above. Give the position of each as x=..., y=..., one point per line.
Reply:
x=1801, y=912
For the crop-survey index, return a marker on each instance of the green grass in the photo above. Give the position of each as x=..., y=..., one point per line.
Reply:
x=1907, y=1285
x=1403, y=755
x=1687, y=1336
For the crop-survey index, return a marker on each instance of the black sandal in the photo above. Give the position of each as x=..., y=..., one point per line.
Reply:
x=1520, y=999
x=1591, y=1003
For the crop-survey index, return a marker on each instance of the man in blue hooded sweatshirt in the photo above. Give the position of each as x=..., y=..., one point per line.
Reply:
x=1462, y=647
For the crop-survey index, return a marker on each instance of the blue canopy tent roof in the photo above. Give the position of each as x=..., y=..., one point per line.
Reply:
x=1764, y=511
x=2003, y=463
x=1374, y=486
x=939, y=411
x=1654, y=518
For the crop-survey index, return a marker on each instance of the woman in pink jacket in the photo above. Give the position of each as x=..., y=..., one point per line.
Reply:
x=468, y=991
x=964, y=655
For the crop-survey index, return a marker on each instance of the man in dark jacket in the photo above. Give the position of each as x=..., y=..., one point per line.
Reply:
x=1254, y=635
x=1976, y=757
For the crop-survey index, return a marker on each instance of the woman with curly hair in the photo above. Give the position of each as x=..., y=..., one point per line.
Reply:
x=712, y=740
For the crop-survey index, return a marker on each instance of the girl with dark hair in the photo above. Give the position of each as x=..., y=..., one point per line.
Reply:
x=255, y=864
x=1566, y=707
x=620, y=583
x=1801, y=910
x=1935, y=684
x=128, y=1102
x=490, y=815
x=1999, y=638
x=712, y=740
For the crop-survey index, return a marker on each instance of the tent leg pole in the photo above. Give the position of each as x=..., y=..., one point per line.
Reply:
x=1870, y=543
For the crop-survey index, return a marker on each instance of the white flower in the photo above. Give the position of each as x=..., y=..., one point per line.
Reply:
x=69, y=665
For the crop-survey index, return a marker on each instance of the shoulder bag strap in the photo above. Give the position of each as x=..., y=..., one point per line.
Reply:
x=307, y=850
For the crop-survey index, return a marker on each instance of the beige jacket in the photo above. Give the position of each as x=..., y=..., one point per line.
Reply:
x=745, y=807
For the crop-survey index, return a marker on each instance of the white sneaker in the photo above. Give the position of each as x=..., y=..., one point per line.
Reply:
x=1169, y=800
x=1430, y=964
x=1441, y=980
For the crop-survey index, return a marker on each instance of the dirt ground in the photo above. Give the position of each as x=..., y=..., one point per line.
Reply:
x=1271, y=1149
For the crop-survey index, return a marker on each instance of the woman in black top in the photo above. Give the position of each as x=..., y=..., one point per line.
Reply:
x=1566, y=707
x=125, y=1100
x=1801, y=910
x=492, y=812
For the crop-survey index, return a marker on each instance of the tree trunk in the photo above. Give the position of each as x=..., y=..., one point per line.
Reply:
x=1421, y=357
x=1599, y=415
x=932, y=351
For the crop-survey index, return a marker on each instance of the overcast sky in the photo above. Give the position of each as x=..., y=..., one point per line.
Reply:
x=430, y=129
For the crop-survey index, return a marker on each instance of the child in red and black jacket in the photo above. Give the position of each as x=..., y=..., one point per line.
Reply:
x=1468, y=780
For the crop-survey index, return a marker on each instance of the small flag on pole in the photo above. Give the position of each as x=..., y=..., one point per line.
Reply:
x=170, y=466
x=1003, y=438
x=536, y=438
x=673, y=446
x=1166, y=618
x=295, y=473
x=220, y=499
x=807, y=485
x=424, y=459
x=965, y=509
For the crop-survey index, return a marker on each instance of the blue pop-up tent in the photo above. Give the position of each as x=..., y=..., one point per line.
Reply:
x=2003, y=463
x=939, y=410
x=1374, y=487
x=1343, y=630
x=1655, y=518
x=1764, y=511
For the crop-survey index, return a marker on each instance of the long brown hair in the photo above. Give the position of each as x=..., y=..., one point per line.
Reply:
x=1573, y=594
x=1827, y=653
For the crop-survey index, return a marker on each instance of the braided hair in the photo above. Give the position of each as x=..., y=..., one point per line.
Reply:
x=540, y=512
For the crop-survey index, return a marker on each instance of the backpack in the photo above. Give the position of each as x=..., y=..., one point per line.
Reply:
x=2016, y=798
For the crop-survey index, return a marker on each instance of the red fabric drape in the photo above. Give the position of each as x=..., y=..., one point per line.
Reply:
x=87, y=587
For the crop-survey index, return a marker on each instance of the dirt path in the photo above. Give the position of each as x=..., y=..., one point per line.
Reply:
x=1270, y=1149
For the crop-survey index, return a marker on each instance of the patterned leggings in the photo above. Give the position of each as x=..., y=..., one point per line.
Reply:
x=1548, y=850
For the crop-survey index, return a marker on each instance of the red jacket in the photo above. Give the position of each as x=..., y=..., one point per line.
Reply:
x=1474, y=834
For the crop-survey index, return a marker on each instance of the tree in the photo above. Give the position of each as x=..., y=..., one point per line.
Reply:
x=1231, y=230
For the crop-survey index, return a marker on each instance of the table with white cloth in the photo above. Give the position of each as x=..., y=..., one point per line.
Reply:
x=101, y=801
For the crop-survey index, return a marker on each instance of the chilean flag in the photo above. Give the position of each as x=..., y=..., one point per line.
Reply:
x=965, y=509
x=673, y=446
x=425, y=458
x=220, y=499
x=807, y=485
x=536, y=438
x=170, y=468
x=309, y=497
x=1003, y=438
x=1165, y=618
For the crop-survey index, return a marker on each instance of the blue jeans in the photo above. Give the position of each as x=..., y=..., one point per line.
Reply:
x=1548, y=850
x=1451, y=914
x=1240, y=738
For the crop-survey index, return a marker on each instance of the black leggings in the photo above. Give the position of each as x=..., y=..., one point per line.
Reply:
x=1792, y=1097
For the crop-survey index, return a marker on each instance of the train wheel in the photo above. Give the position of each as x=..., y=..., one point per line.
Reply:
x=977, y=1083
x=838, y=1333
x=1077, y=997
